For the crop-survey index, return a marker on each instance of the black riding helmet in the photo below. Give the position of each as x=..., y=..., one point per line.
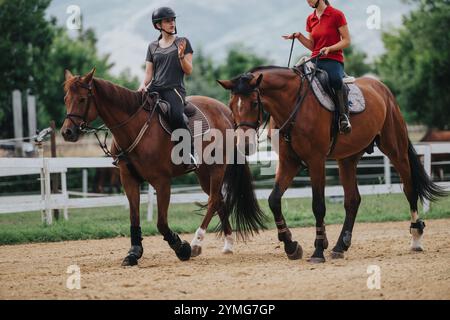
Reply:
x=162, y=13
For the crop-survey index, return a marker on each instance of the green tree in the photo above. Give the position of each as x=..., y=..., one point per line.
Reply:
x=25, y=42
x=239, y=60
x=355, y=64
x=79, y=55
x=33, y=55
x=416, y=65
x=203, y=80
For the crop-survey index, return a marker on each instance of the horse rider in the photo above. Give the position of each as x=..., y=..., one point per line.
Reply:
x=329, y=35
x=168, y=60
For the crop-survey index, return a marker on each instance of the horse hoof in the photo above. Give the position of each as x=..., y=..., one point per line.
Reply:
x=185, y=251
x=316, y=260
x=298, y=252
x=196, y=251
x=337, y=255
x=130, y=261
x=227, y=251
x=416, y=249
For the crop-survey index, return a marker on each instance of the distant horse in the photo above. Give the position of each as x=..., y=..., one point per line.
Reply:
x=306, y=130
x=438, y=136
x=127, y=113
x=107, y=179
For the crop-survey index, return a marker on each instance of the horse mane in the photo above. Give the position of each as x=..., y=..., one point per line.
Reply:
x=242, y=82
x=263, y=68
x=120, y=96
x=115, y=94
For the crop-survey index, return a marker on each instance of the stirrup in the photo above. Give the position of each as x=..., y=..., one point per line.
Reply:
x=193, y=166
x=347, y=127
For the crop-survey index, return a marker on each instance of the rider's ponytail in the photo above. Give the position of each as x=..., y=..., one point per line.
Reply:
x=327, y=2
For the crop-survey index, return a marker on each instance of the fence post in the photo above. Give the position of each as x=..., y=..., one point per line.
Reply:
x=151, y=192
x=43, y=203
x=31, y=110
x=54, y=176
x=85, y=182
x=65, y=194
x=387, y=171
x=18, y=124
x=427, y=166
x=48, y=193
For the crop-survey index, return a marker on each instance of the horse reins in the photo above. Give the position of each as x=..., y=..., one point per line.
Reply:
x=86, y=129
x=286, y=128
x=256, y=124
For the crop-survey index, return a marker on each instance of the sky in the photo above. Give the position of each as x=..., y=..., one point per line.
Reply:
x=124, y=29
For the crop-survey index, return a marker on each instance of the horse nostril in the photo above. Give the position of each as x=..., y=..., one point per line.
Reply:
x=68, y=132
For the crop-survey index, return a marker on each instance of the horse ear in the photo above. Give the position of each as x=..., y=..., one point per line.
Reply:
x=90, y=76
x=68, y=75
x=259, y=80
x=226, y=84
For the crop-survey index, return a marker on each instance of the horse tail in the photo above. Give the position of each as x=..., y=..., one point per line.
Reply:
x=240, y=203
x=424, y=188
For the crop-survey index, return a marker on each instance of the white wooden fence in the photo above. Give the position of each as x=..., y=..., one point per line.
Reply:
x=47, y=201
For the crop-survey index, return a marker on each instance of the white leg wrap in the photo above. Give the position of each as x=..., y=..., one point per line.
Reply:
x=199, y=237
x=416, y=241
x=229, y=243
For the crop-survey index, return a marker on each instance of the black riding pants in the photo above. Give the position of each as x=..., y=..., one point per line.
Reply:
x=176, y=99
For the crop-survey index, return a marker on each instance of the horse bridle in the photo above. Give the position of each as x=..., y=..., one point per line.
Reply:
x=255, y=124
x=83, y=126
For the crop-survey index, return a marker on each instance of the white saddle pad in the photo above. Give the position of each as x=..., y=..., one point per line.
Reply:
x=356, y=101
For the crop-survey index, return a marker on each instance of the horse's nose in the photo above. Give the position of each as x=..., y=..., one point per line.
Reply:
x=68, y=134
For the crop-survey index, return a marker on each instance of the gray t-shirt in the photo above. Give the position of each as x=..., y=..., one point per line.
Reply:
x=167, y=70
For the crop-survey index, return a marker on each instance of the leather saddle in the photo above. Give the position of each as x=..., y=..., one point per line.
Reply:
x=163, y=106
x=192, y=115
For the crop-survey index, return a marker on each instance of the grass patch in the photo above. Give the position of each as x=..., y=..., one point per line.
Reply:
x=101, y=223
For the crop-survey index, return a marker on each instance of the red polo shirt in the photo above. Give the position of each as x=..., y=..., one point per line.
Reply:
x=325, y=31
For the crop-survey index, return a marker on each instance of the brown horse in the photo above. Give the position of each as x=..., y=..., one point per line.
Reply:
x=124, y=113
x=438, y=136
x=107, y=180
x=307, y=132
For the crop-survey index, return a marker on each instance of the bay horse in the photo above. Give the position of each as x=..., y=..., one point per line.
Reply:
x=287, y=97
x=229, y=186
x=438, y=136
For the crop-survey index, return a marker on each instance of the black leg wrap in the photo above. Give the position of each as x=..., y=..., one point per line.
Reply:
x=419, y=225
x=173, y=240
x=136, y=251
x=347, y=239
x=344, y=242
x=136, y=236
x=182, y=248
x=321, y=238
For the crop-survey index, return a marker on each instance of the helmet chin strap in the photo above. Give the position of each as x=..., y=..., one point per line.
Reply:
x=169, y=33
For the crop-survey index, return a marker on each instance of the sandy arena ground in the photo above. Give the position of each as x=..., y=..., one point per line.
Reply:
x=257, y=270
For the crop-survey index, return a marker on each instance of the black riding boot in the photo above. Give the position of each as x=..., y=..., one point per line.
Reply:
x=193, y=157
x=344, y=119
